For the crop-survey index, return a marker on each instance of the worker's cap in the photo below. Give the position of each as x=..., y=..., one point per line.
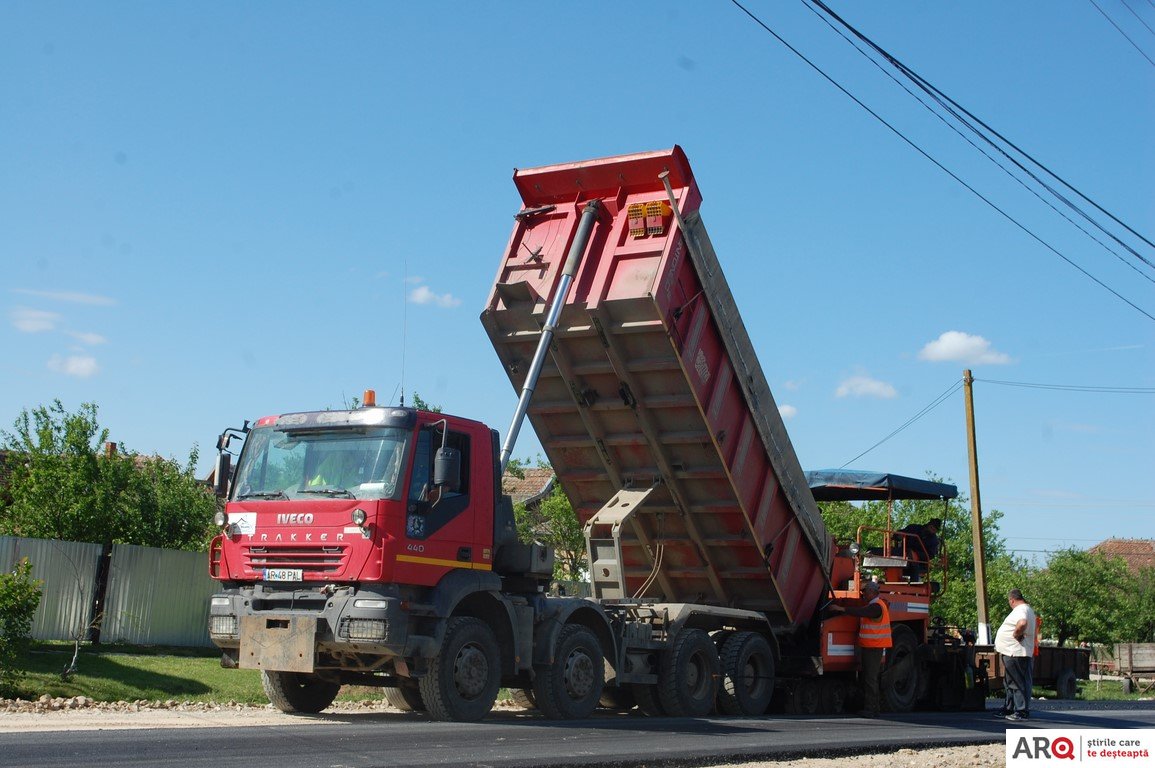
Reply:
x=869, y=585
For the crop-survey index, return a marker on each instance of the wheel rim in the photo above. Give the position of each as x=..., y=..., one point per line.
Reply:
x=579, y=674
x=697, y=675
x=470, y=671
x=754, y=676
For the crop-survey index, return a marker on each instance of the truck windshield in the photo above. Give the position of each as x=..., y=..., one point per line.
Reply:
x=361, y=463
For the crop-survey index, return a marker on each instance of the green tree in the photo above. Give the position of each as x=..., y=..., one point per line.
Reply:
x=19, y=598
x=420, y=404
x=1087, y=596
x=63, y=485
x=553, y=523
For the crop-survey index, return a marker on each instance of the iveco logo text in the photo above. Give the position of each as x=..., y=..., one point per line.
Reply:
x=295, y=518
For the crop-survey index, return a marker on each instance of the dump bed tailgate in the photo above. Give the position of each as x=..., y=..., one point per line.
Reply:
x=652, y=407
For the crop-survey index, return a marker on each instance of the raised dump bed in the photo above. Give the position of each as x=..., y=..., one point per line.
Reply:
x=652, y=407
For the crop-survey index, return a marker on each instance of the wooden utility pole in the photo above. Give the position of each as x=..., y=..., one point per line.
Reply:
x=984, y=636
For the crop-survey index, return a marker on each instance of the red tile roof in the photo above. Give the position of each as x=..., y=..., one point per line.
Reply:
x=1139, y=553
x=537, y=483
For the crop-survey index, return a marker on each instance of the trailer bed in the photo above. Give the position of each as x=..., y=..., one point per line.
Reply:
x=652, y=407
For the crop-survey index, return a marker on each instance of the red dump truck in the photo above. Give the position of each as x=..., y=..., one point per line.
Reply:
x=374, y=546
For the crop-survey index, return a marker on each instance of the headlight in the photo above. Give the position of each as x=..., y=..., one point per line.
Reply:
x=854, y=549
x=379, y=604
x=224, y=601
x=220, y=519
x=359, y=517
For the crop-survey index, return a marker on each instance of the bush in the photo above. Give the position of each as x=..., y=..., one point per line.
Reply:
x=19, y=598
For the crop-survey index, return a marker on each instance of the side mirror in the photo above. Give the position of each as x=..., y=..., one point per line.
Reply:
x=222, y=473
x=447, y=469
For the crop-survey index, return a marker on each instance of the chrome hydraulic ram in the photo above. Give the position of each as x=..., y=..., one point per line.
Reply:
x=577, y=249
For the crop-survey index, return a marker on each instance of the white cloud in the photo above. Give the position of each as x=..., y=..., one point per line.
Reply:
x=787, y=411
x=864, y=386
x=80, y=366
x=959, y=347
x=34, y=320
x=91, y=339
x=422, y=295
x=72, y=297
x=793, y=385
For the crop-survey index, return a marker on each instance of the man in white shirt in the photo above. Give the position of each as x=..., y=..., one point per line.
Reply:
x=1015, y=642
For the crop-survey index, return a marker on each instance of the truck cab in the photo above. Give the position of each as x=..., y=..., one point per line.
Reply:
x=348, y=540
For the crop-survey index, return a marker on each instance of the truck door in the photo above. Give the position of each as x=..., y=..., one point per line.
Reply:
x=439, y=526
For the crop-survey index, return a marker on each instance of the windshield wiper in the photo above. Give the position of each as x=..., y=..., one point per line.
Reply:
x=342, y=492
x=263, y=495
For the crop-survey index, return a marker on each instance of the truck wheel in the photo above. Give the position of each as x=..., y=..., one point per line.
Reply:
x=805, y=698
x=747, y=674
x=406, y=698
x=1066, y=684
x=569, y=688
x=688, y=675
x=834, y=695
x=647, y=698
x=463, y=679
x=298, y=692
x=901, y=675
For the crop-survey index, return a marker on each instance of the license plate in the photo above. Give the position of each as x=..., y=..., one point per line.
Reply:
x=282, y=574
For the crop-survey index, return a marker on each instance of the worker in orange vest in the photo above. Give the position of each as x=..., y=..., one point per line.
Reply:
x=873, y=640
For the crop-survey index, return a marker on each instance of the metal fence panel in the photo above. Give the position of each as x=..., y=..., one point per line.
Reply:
x=68, y=570
x=157, y=597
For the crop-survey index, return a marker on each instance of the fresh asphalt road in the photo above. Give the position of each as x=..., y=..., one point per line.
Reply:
x=362, y=740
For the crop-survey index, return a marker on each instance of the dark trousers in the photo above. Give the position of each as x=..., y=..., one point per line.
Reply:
x=871, y=659
x=1017, y=681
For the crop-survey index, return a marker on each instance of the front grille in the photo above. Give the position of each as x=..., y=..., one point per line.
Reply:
x=326, y=559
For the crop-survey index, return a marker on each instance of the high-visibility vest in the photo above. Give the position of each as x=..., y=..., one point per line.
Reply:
x=1038, y=632
x=875, y=633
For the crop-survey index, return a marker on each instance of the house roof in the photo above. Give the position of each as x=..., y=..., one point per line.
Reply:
x=1138, y=553
x=536, y=485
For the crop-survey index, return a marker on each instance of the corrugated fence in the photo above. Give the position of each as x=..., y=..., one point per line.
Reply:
x=154, y=596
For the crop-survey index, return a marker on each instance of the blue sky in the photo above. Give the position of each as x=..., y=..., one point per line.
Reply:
x=217, y=212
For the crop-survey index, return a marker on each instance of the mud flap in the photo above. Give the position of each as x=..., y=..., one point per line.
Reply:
x=278, y=643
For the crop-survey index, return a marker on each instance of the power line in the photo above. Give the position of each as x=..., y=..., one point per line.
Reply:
x=1073, y=387
x=1137, y=16
x=954, y=108
x=1121, y=32
x=940, y=166
x=933, y=404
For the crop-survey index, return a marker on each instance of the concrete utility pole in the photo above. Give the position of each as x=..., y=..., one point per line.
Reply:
x=984, y=636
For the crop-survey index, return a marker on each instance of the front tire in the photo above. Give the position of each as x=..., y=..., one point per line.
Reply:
x=569, y=689
x=406, y=698
x=900, y=678
x=297, y=692
x=463, y=679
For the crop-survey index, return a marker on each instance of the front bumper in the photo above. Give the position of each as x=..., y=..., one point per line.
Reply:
x=287, y=630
